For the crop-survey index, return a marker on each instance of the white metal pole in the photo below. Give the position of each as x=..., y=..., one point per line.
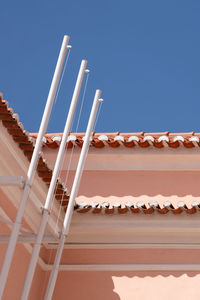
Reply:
x=32, y=167
x=75, y=187
x=59, y=160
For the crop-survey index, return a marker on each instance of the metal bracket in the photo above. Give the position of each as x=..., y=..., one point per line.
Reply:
x=45, y=210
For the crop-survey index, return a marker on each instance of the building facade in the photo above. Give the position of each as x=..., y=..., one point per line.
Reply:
x=135, y=227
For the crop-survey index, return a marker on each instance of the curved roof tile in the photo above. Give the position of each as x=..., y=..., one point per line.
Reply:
x=138, y=208
x=129, y=140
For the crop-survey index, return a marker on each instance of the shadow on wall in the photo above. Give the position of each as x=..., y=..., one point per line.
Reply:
x=137, y=183
x=85, y=286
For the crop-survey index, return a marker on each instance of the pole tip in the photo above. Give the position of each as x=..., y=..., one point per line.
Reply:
x=100, y=100
x=87, y=71
x=69, y=47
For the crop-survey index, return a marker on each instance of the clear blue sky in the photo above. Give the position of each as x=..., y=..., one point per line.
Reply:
x=144, y=55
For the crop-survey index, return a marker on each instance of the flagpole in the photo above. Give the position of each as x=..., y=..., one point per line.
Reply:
x=32, y=167
x=75, y=187
x=58, y=164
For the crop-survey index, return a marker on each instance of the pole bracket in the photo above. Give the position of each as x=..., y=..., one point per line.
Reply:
x=60, y=234
x=45, y=210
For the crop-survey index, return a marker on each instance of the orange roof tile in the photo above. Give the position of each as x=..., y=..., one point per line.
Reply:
x=114, y=140
x=10, y=121
x=139, y=207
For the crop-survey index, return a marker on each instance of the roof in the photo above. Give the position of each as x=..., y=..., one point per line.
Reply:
x=130, y=140
x=26, y=142
x=139, y=207
x=22, y=138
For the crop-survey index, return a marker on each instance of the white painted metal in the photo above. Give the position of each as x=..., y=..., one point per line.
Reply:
x=32, y=167
x=70, y=208
x=12, y=180
x=59, y=160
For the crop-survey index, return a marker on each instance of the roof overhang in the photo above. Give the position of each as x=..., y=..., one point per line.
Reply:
x=14, y=163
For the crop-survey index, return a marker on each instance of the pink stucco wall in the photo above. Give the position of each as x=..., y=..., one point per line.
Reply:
x=115, y=186
x=122, y=186
x=17, y=275
x=127, y=286
x=20, y=260
x=126, y=256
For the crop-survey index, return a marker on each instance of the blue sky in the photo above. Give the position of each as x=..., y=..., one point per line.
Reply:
x=144, y=56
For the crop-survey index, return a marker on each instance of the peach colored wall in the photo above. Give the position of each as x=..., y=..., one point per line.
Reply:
x=20, y=261
x=122, y=186
x=17, y=275
x=119, y=186
x=126, y=256
x=127, y=286
x=137, y=183
x=9, y=209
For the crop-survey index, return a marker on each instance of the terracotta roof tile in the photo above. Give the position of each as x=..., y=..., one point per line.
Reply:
x=26, y=143
x=138, y=208
x=128, y=140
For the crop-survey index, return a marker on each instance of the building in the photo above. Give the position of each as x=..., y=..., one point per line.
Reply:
x=135, y=227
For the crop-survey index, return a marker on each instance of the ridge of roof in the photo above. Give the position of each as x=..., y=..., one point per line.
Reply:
x=26, y=143
x=129, y=140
